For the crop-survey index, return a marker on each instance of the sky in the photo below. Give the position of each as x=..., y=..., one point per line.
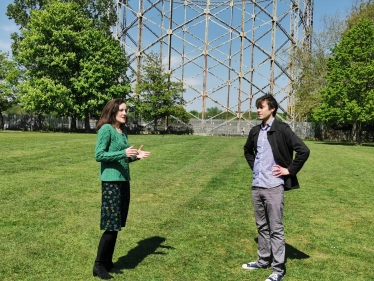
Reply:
x=321, y=7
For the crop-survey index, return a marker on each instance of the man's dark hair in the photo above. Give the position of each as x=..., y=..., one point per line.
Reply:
x=272, y=103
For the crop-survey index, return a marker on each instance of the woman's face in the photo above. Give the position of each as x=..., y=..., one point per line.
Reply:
x=121, y=114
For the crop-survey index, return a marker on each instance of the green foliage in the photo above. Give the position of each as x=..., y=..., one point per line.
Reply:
x=195, y=113
x=15, y=109
x=9, y=76
x=20, y=10
x=312, y=64
x=157, y=95
x=101, y=12
x=311, y=79
x=212, y=112
x=216, y=113
x=72, y=67
x=349, y=95
x=363, y=9
x=181, y=114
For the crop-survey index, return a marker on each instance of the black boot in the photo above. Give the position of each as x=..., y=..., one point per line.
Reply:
x=109, y=265
x=100, y=271
x=102, y=253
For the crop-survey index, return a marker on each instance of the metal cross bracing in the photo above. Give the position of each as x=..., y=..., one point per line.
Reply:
x=226, y=53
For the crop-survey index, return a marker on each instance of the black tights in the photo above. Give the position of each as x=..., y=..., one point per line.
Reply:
x=106, y=248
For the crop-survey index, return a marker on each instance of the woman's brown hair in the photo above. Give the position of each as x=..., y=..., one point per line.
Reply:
x=108, y=115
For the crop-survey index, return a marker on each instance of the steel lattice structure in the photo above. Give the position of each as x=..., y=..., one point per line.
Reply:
x=227, y=53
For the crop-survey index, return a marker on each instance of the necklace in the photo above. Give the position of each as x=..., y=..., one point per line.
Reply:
x=119, y=130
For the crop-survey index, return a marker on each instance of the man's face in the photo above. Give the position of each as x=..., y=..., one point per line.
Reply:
x=263, y=112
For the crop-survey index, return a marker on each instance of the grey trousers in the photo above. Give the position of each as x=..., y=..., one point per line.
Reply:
x=268, y=204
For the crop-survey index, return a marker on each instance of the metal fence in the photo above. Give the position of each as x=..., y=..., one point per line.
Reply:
x=210, y=127
x=28, y=122
x=237, y=127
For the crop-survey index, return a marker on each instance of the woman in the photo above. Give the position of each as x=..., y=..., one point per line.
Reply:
x=114, y=153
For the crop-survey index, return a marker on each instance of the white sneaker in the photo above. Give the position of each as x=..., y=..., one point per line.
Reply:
x=251, y=266
x=274, y=277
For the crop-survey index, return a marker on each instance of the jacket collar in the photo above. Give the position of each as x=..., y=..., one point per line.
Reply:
x=274, y=125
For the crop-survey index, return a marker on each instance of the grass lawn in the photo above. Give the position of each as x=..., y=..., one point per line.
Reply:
x=191, y=216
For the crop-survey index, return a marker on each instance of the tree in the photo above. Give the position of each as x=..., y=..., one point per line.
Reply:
x=102, y=12
x=312, y=64
x=213, y=112
x=181, y=114
x=361, y=9
x=195, y=113
x=349, y=95
x=72, y=67
x=9, y=75
x=158, y=96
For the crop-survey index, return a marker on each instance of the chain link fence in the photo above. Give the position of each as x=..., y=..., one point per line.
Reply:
x=28, y=122
x=221, y=127
x=210, y=127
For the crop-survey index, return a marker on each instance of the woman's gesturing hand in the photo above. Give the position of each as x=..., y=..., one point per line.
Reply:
x=142, y=154
x=131, y=152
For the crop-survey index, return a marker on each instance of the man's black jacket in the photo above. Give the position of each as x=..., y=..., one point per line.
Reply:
x=283, y=142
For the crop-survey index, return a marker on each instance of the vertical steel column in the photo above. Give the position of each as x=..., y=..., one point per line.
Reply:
x=272, y=59
x=291, y=57
x=308, y=28
x=170, y=33
x=230, y=61
x=140, y=42
x=162, y=26
x=205, y=55
x=290, y=62
x=124, y=24
x=241, y=74
x=184, y=41
x=118, y=23
x=252, y=58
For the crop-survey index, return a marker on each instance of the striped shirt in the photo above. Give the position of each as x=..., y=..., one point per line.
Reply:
x=264, y=161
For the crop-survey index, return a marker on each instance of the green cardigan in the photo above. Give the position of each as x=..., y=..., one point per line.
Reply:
x=110, y=151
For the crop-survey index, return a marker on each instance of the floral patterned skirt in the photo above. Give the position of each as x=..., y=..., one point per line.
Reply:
x=114, y=205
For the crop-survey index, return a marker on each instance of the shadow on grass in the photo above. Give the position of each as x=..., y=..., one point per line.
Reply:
x=295, y=254
x=292, y=253
x=145, y=248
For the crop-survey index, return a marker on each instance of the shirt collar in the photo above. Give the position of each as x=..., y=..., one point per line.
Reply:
x=268, y=125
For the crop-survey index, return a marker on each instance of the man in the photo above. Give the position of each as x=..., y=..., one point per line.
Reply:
x=269, y=152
